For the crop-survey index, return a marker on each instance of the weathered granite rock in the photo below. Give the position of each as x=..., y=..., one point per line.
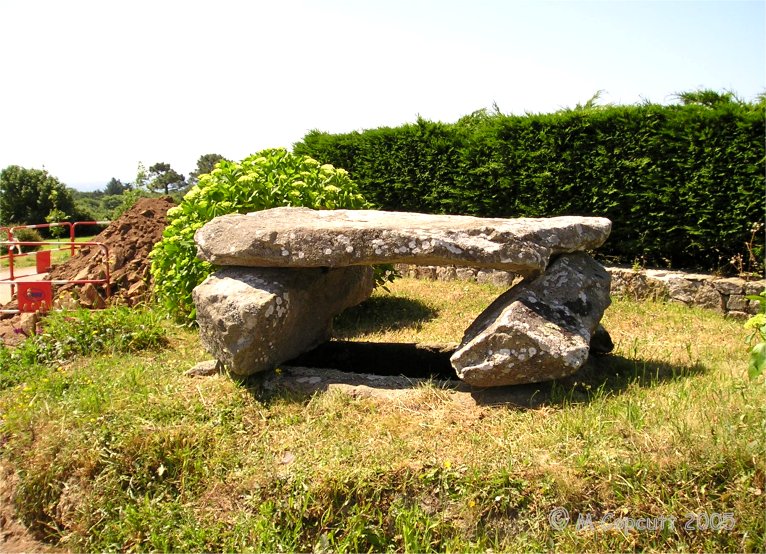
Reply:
x=708, y=297
x=755, y=287
x=737, y=302
x=730, y=285
x=301, y=237
x=251, y=319
x=540, y=329
x=682, y=290
x=205, y=369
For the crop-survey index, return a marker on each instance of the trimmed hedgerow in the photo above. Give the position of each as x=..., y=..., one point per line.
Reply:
x=682, y=184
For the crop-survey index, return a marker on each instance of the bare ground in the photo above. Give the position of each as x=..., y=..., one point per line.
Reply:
x=14, y=537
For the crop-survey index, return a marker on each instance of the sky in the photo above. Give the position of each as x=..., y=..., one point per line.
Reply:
x=90, y=89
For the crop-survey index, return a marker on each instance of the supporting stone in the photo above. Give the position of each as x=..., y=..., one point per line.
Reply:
x=301, y=237
x=540, y=329
x=252, y=320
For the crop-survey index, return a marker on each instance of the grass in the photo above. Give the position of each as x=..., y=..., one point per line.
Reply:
x=118, y=450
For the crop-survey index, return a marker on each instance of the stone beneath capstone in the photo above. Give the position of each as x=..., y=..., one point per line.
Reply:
x=252, y=320
x=601, y=341
x=538, y=330
x=301, y=237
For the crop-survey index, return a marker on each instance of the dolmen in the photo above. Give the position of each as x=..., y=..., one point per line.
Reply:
x=284, y=274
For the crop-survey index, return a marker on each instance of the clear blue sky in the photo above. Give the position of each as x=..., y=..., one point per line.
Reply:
x=90, y=88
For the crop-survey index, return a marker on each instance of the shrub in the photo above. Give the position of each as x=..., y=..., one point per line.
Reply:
x=22, y=235
x=127, y=200
x=757, y=337
x=267, y=179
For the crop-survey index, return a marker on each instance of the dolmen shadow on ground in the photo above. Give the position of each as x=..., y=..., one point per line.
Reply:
x=285, y=273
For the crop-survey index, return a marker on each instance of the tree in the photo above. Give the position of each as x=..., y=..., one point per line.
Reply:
x=163, y=177
x=115, y=186
x=30, y=196
x=142, y=178
x=205, y=164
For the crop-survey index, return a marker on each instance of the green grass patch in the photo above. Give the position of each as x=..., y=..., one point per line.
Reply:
x=118, y=450
x=63, y=336
x=59, y=254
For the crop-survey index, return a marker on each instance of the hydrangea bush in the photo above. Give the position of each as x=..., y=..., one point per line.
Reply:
x=267, y=179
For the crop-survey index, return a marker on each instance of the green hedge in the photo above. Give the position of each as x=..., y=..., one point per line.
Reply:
x=682, y=184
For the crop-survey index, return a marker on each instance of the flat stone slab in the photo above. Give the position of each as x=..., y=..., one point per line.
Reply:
x=301, y=237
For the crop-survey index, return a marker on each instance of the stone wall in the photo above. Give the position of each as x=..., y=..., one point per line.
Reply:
x=724, y=295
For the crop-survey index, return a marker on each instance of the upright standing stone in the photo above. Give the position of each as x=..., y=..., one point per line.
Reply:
x=540, y=329
x=252, y=320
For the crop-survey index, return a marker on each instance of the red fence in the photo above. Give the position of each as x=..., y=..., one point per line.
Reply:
x=37, y=294
x=72, y=228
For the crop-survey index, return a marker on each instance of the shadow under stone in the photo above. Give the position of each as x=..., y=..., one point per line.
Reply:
x=418, y=361
x=388, y=367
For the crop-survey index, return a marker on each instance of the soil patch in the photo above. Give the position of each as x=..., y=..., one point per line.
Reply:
x=129, y=240
x=14, y=537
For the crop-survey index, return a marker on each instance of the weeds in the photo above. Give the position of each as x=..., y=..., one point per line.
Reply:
x=757, y=337
x=65, y=335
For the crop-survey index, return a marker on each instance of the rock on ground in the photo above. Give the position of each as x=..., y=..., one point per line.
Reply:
x=540, y=329
x=301, y=237
x=251, y=320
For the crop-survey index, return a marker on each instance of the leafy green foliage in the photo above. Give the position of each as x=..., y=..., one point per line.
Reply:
x=84, y=332
x=28, y=196
x=115, y=186
x=56, y=216
x=270, y=178
x=682, y=184
x=757, y=337
x=127, y=200
x=97, y=206
x=205, y=164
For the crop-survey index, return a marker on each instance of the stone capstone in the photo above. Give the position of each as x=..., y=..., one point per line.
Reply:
x=301, y=237
x=252, y=320
x=538, y=330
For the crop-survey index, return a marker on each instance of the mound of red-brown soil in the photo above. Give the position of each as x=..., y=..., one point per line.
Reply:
x=128, y=241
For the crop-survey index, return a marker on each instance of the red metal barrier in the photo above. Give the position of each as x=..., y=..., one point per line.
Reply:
x=9, y=231
x=35, y=292
x=43, y=261
x=72, y=228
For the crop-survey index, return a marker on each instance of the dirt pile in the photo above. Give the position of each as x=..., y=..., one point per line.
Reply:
x=129, y=240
